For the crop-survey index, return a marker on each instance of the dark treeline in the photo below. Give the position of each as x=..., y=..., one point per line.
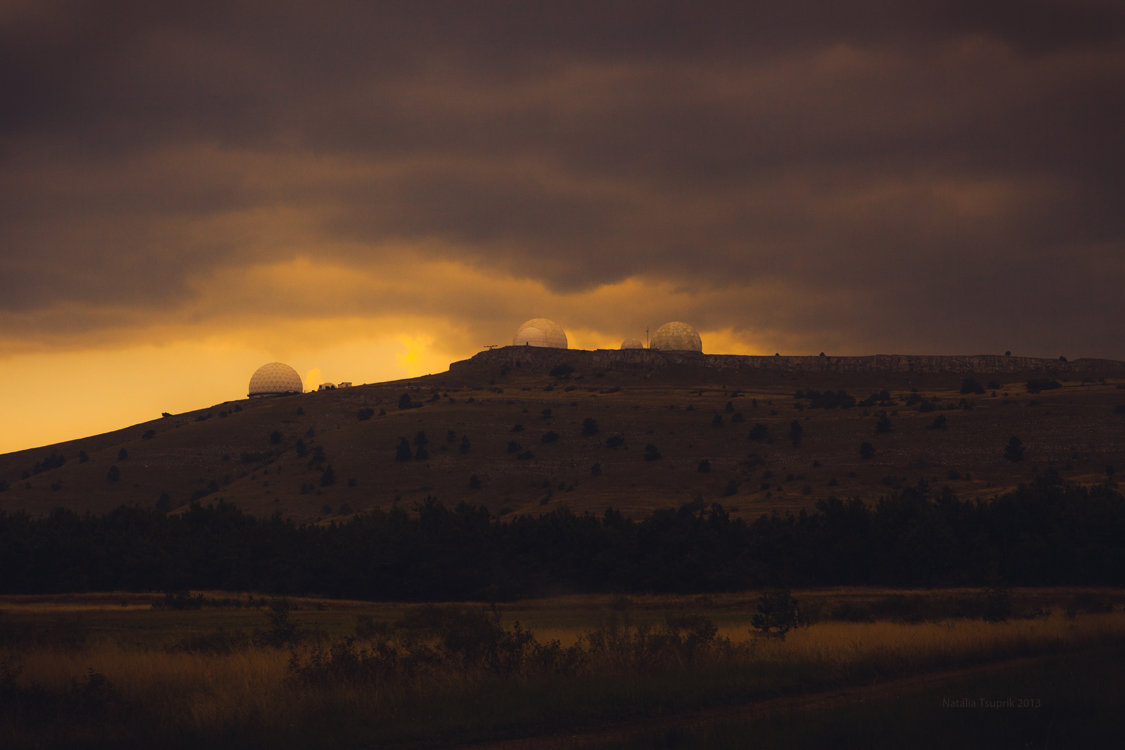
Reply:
x=1043, y=534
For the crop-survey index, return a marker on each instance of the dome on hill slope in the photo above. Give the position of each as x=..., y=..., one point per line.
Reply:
x=540, y=332
x=677, y=336
x=632, y=343
x=275, y=379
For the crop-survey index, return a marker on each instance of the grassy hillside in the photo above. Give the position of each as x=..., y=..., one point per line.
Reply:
x=522, y=440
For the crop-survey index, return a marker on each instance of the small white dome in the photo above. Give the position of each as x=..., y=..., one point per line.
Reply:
x=677, y=336
x=633, y=343
x=540, y=332
x=274, y=379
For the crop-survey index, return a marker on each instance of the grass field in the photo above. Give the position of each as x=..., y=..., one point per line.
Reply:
x=97, y=670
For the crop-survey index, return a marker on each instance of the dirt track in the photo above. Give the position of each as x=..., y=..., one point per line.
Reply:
x=623, y=731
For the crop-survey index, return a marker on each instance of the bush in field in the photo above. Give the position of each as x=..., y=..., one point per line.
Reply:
x=589, y=427
x=776, y=613
x=1013, y=451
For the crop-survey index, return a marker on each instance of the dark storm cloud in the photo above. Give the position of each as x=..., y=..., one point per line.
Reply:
x=951, y=172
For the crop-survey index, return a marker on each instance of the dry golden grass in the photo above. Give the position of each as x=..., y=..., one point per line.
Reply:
x=253, y=689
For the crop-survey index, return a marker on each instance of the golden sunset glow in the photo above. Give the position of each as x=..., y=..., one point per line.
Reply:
x=189, y=202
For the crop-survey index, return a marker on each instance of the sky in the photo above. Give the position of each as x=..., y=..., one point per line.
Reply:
x=370, y=191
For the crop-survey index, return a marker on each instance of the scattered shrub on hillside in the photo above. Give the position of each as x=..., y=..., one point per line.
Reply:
x=759, y=433
x=275, y=438
x=731, y=488
x=1042, y=384
x=405, y=402
x=827, y=400
x=796, y=433
x=589, y=427
x=517, y=428
x=52, y=461
x=514, y=447
x=939, y=423
x=717, y=420
x=1013, y=451
x=421, y=452
x=883, y=426
x=301, y=448
x=882, y=398
x=704, y=466
x=113, y=474
x=402, y=450
x=122, y=455
x=328, y=476
x=596, y=470
x=651, y=453
x=615, y=440
x=474, y=482
x=561, y=371
x=148, y=434
x=549, y=437
x=866, y=450
x=525, y=456
x=365, y=414
x=465, y=446
x=971, y=385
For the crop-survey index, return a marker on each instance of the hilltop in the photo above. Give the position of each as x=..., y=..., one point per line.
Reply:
x=522, y=430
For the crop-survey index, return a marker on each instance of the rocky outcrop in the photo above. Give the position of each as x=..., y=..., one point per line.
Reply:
x=543, y=359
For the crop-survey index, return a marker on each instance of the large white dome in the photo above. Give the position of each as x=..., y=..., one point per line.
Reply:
x=632, y=343
x=677, y=336
x=540, y=332
x=274, y=379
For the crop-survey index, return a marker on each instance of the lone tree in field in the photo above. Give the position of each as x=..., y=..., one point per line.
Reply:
x=1014, y=450
x=776, y=614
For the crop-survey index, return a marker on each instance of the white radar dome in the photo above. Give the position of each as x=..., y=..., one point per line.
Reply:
x=677, y=336
x=633, y=343
x=540, y=332
x=275, y=379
